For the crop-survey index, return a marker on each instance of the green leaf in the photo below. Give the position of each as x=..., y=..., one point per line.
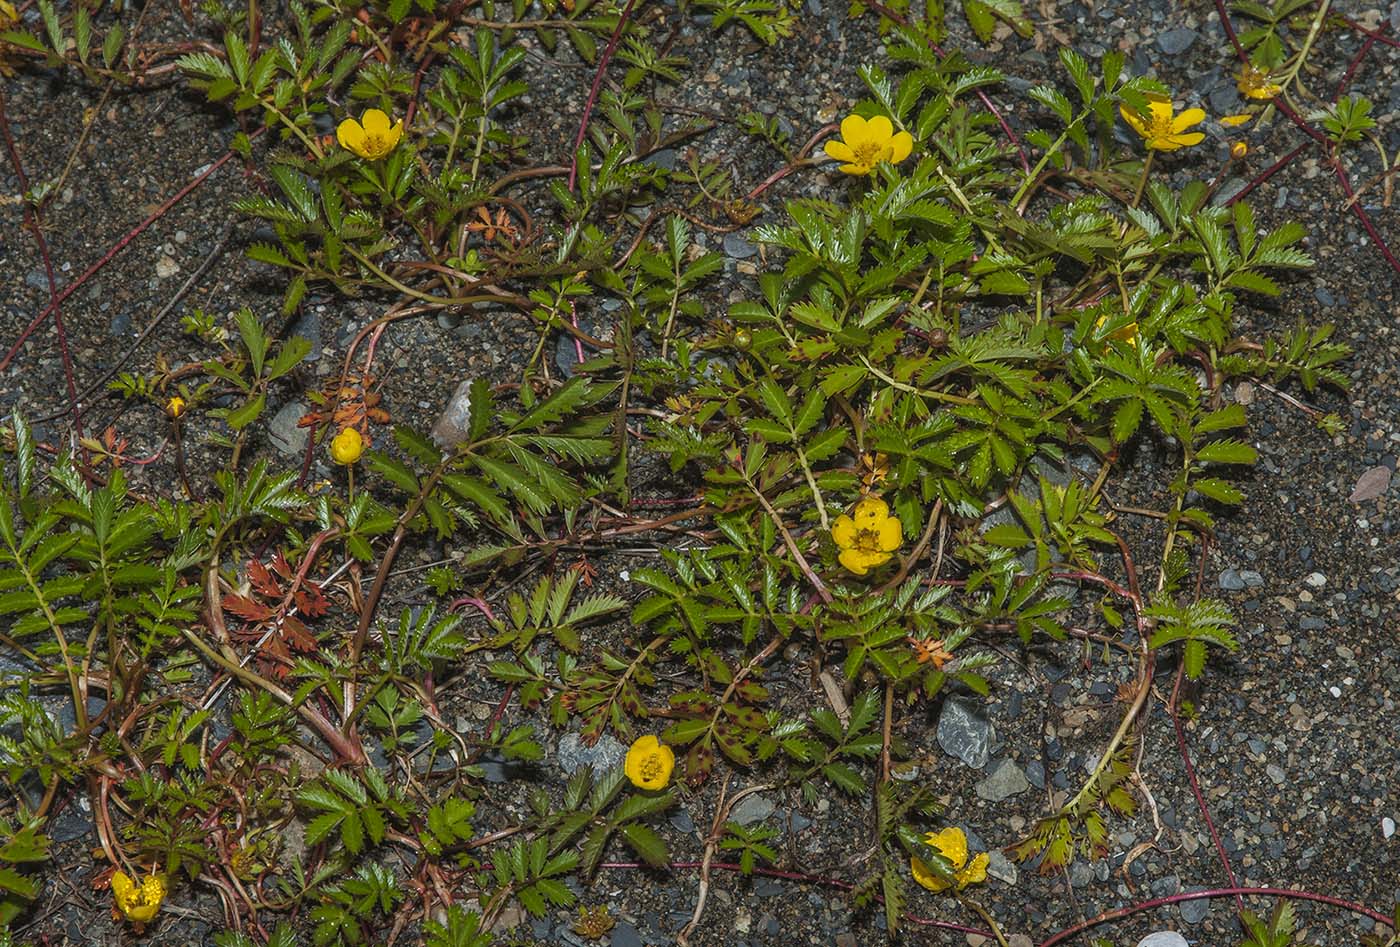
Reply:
x=241, y=417
x=1227, y=451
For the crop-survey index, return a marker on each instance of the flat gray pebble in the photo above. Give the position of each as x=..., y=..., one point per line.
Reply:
x=1177, y=41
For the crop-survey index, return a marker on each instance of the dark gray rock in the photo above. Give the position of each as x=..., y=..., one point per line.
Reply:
x=1004, y=781
x=1177, y=41
x=625, y=935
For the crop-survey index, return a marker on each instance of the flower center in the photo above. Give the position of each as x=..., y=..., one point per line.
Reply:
x=1159, y=126
x=650, y=769
x=868, y=540
x=868, y=153
x=373, y=143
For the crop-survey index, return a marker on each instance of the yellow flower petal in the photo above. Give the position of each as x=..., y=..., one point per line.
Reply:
x=857, y=561
x=1133, y=119
x=1186, y=119
x=853, y=129
x=975, y=872
x=1161, y=108
x=375, y=122
x=1234, y=121
x=843, y=531
x=902, y=145
x=351, y=136
x=1186, y=140
x=869, y=513
x=839, y=150
x=951, y=844
x=879, y=128
x=891, y=534
x=925, y=877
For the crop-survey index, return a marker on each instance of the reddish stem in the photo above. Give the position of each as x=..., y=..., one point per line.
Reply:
x=1273, y=169
x=1356, y=62
x=116, y=248
x=597, y=85
x=31, y=220
x=1141, y=906
x=1175, y=710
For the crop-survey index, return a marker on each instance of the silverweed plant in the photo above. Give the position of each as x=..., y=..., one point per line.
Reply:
x=895, y=456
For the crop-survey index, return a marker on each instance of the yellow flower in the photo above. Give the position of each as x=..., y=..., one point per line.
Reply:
x=1159, y=129
x=867, y=537
x=371, y=137
x=952, y=845
x=649, y=763
x=1239, y=149
x=1255, y=83
x=137, y=903
x=1235, y=121
x=347, y=446
x=1127, y=333
x=175, y=406
x=867, y=143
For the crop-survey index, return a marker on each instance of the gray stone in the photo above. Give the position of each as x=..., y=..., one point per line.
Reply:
x=602, y=756
x=682, y=821
x=1006, y=780
x=965, y=732
x=752, y=809
x=1080, y=874
x=737, y=247
x=625, y=935
x=1252, y=579
x=1001, y=868
x=1164, y=939
x=282, y=430
x=1035, y=773
x=308, y=326
x=1224, y=99
x=1232, y=581
x=1194, y=912
x=1177, y=41
x=665, y=159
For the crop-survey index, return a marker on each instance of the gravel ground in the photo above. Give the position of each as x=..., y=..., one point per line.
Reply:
x=1297, y=739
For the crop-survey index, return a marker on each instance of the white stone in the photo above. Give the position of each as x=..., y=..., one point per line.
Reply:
x=1387, y=826
x=1164, y=939
x=1317, y=580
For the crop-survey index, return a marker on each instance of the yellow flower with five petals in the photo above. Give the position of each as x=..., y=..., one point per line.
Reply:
x=951, y=843
x=867, y=536
x=372, y=137
x=138, y=903
x=1160, y=129
x=864, y=144
x=649, y=763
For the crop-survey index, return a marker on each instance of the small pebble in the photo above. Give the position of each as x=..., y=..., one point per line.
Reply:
x=1317, y=580
x=1387, y=827
x=1335, y=691
x=1177, y=41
